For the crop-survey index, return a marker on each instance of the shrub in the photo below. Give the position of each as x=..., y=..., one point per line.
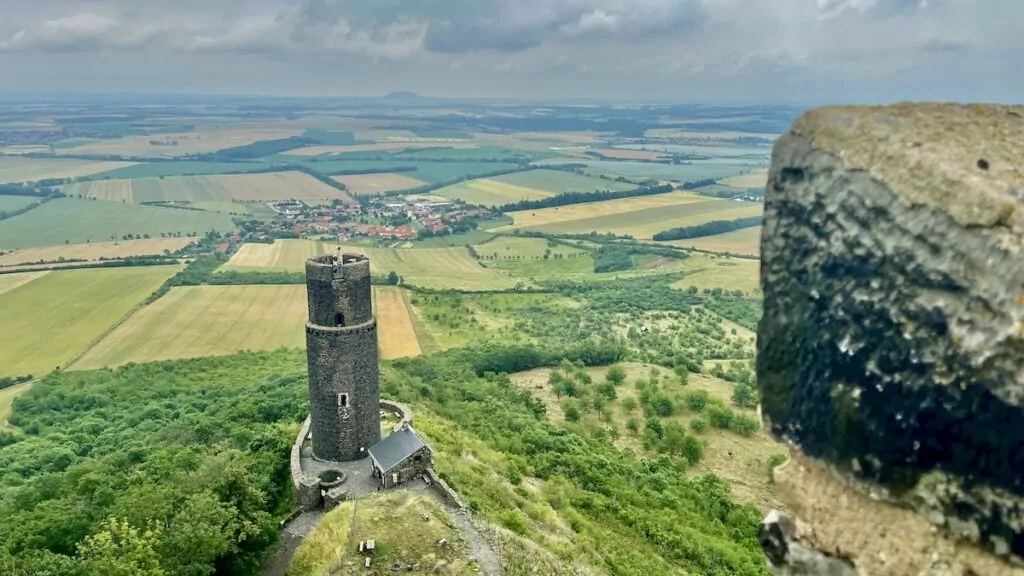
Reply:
x=697, y=400
x=693, y=449
x=744, y=425
x=720, y=416
x=699, y=425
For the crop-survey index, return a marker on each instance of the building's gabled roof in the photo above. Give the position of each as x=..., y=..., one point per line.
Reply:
x=394, y=449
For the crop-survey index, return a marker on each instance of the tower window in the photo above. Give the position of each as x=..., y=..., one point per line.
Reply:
x=339, y=319
x=342, y=400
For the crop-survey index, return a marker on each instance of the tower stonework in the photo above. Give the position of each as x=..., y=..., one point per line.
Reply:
x=341, y=349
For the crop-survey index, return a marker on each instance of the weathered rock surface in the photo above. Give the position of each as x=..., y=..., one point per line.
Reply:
x=892, y=343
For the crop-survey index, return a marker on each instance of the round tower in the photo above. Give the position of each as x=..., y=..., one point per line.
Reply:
x=341, y=350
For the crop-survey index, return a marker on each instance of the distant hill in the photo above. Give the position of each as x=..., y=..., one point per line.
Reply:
x=404, y=95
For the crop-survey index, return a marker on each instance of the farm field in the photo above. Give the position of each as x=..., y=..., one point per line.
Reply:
x=632, y=154
x=180, y=168
x=9, y=282
x=234, y=208
x=94, y=251
x=706, y=271
x=196, y=321
x=490, y=192
x=559, y=182
x=371, y=184
x=742, y=461
x=288, y=255
x=743, y=241
x=758, y=179
x=9, y=203
x=378, y=147
x=182, y=144
x=429, y=172
x=633, y=219
x=73, y=221
x=106, y=190
x=692, y=172
x=234, y=187
x=436, y=268
x=16, y=169
x=510, y=247
x=395, y=332
x=54, y=317
x=713, y=151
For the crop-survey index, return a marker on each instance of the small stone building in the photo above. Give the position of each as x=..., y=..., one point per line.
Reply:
x=400, y=457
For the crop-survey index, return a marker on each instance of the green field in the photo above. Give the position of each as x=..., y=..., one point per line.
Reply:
x=78, y=221
x=559, y=182
x=487, y=192
x=431, y=172
x=9, y=203
x=181, y=168
x=436, y=268
x=53, y=318
x=510, y=247
x=222, y=207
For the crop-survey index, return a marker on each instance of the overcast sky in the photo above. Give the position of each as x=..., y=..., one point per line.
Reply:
x=707, y=50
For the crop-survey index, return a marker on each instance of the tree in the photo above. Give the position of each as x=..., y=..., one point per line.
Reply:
x=697, y=400
x=633, y=425
x=571, y=408
x=392, y=278
x=683, y=373
x=692, y=449
x=744, y=395
x=673, y=438
x=699, y=425
x=119, y=549
x=616, y=375
x=629, y=404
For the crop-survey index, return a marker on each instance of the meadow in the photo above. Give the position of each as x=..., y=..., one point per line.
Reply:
x=704, y=271
x=17, y=169
x=106, y=190
x=287, y=255
x=512, y=247
x=560, y=182
x=51, y=319
x=435, y=268
x=490, y=192
x=395, y=332
x=746, y=241
x=94, y=251
x=73, y=221
x=196, y=321
x=371, y=184
x=756, y=179
x=234, y=187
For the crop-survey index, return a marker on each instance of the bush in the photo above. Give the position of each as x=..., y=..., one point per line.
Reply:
x=697, y=400
x=693, y=449
x=744, y=425
x=720, y=417
x=699, y=425
x=571, y=408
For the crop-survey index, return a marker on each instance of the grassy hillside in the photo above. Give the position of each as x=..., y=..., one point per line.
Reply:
x=70, y=220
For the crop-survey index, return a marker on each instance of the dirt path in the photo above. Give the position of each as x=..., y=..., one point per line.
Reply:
x=480, y=547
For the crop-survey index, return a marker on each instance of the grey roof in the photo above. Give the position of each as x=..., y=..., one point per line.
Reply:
x=392, y=450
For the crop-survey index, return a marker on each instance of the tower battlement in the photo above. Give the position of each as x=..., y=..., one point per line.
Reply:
x=341, y=350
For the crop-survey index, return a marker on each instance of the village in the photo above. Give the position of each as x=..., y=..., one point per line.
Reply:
x=371, y=219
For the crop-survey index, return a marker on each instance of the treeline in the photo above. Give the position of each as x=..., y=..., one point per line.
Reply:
x=708, y=228
x=128, y=262
x=568, y=198
x=37, y=190
x=619, y=257
x=202, y=271
x=698, y=184
x=8, y=381
x=258, y=149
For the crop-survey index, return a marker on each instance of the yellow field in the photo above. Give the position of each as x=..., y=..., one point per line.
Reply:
x=9, y=282
x=705, y=271
x=530, y=218
x=198, y=142
x=275, y=186
x=395, y=332
x=379, y=147
x=436, y=268
x=757, y=179
x=744, y=241
x=195, y=321
x=94, y=251
x=49, y=321
x=491, y=192
x=107, y=190
x=369, y=184
x=16, y=169
x=287, y=255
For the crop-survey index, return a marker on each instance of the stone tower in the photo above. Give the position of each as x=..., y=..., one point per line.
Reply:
x=341, y=348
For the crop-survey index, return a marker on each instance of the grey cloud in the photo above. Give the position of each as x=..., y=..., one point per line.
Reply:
x=945, y=47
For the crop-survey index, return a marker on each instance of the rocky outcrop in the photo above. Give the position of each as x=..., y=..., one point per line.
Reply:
x=891, y=351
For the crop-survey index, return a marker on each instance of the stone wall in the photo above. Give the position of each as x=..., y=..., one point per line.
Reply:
x=393, y=407
x=409, y=469
x=448, y=495
x=891, y=350
x=341, y=349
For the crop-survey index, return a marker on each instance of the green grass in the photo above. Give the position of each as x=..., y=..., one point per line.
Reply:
x=181, y=168
x=9, y=203
x=79, y=221
x=558, y=182
x=509, y=247
x=474, y=237
x=50, y=320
